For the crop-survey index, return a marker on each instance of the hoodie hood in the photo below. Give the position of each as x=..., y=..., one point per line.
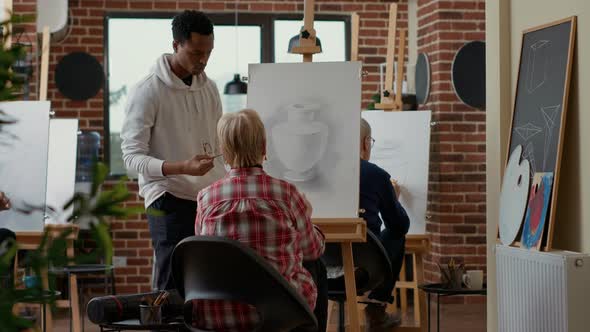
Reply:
x=164, y=72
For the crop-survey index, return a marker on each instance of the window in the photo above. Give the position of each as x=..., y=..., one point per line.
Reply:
x=135, y=40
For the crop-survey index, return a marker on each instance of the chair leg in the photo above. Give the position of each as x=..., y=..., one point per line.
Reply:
x=329, y=318
x=341, y=318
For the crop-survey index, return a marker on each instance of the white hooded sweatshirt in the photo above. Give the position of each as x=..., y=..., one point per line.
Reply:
x=165, y=119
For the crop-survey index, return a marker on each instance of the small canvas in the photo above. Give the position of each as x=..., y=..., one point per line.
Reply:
x=402, y=148
x=311, y=112
x=537, y=211
x=61, y=168
x=23, y=163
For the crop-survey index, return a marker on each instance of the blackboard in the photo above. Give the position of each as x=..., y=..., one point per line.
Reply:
x=540, y=105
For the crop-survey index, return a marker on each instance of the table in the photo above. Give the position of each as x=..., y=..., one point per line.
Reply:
x=135, y=325
x=42, y=299
x=439, y=290
x=71, y=271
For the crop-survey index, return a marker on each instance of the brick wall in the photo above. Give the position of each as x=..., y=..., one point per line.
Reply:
x=457, y=170
x=457, y=161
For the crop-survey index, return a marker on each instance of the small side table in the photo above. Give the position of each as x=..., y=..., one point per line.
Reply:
x=135, y=325
x=72, y=271
x=440, y=291
x=42, y=299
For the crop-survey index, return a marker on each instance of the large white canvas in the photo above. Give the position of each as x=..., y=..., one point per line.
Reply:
x=61, y=167
x=402, y=148
x=320, y=156
x=23, y=163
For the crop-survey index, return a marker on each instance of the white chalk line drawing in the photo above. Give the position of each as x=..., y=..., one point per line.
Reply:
x=549, y=115
x=528, y=130
x=537, y=64
x=529, y=154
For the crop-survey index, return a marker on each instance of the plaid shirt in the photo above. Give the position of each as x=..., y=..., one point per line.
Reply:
x=270, y=216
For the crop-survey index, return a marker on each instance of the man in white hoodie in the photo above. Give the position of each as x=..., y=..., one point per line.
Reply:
x=168, y=134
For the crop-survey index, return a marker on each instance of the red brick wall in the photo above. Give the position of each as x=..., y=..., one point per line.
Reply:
x=457, y=169
x=457, y=160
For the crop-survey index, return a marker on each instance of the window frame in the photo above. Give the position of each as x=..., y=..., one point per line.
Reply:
x=264, y=20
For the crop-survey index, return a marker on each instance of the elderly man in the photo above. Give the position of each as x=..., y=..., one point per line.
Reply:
x=379, y=200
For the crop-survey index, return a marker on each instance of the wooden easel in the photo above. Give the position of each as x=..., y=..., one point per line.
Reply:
x=346, y=231
x=354, y=40
x=31, y=241
x=44, y=64
x=339, y=230
x=389, y=101
x=307, y=36
x=416, y=246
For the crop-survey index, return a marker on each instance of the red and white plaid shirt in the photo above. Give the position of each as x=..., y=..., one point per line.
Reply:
x=270, y=216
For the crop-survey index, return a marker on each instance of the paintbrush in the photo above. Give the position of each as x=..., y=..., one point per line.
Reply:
x=161, y=297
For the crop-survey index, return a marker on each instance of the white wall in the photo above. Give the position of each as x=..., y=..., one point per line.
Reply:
x=505, y=21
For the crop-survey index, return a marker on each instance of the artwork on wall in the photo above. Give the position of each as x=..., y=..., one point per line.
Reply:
x=422, y=79
x=468, y=74
x=540, y=106
x=536, y=212
x=23, y=163
x=311, y=112
x=514, y=195
x=61, y=167
x=406, y=163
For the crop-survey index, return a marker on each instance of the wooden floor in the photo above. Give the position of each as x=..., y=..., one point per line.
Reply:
x=454, y=317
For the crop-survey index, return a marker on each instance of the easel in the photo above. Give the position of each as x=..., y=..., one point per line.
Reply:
x=346, y=231
x=339, y=230
x=390, y=102
x=354, y=40
x=416, y=246
x=307, y=36
x=31, y=241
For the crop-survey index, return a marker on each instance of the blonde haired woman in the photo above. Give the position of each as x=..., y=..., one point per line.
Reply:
x=268, y=214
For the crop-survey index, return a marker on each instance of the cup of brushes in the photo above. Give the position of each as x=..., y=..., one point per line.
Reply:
x=150, y=309
x=452, y=274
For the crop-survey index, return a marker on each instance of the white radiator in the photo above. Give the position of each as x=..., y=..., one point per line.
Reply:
x=542, y=291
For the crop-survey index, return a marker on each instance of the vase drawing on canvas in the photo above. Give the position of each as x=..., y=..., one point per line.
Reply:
x=300, y=141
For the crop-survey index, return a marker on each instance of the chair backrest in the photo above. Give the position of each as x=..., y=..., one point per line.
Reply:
x=370, y=257
x=216, y=268
x=7, y=278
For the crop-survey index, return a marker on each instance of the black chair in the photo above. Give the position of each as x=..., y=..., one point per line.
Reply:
x=372, y=267
x=216, y=268
x=7, y=279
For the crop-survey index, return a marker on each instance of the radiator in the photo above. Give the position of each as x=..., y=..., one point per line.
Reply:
x=542, y=291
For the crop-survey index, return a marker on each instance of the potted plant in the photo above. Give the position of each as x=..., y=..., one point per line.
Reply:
x=97, y=206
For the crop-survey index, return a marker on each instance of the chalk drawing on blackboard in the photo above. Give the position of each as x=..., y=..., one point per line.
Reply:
x=537, y=64
x=549, y=115
x=529, y=154
x=528, y=130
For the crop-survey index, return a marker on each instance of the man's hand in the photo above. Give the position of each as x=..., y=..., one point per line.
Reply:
x=4, y=202
x=396, y=187
x=198, y=165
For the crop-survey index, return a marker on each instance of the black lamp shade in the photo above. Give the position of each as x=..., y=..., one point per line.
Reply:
x=236, y=86
x=294, y=42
